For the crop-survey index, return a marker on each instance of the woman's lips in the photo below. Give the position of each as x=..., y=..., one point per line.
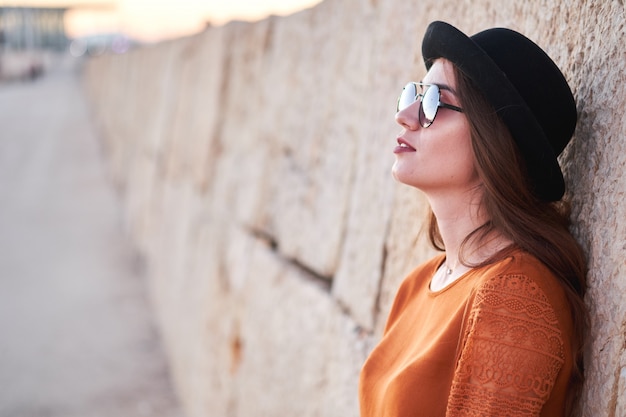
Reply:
x=403, y=146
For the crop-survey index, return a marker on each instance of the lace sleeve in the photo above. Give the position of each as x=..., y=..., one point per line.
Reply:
x=511, y=353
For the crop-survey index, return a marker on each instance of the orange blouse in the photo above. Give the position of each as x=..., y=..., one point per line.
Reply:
x=495, y=342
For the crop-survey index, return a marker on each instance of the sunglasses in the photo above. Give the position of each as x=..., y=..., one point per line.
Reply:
x=430, y=101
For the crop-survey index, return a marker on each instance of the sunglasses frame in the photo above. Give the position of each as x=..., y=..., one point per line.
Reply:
x=420, y=96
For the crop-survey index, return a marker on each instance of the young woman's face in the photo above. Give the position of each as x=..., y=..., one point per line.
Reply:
x=438, y=158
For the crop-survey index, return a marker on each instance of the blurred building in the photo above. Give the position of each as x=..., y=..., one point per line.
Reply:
x=28, y=28
x=32, y=38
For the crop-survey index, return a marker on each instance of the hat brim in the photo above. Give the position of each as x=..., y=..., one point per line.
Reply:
x=443, y=40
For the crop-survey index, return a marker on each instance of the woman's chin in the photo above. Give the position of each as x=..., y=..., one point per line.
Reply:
x=394, y=172
x=399, y=174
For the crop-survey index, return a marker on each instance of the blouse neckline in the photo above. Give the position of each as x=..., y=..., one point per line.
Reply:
x=440, y=260
x=438, y=265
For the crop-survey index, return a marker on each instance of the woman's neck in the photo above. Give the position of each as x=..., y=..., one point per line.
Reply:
x=458, y=215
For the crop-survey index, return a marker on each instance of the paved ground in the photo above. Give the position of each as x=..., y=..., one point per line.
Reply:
x=76, y=333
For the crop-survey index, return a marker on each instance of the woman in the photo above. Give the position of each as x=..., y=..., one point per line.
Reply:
x=495, y=325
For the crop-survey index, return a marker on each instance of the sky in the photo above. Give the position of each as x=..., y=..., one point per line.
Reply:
x=154, y=20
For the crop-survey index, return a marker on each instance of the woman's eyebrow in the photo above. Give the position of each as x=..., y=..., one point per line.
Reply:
x=446, y=87
x=441, y=86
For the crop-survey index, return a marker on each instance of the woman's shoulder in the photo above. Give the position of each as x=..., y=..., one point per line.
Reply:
x=521, y=281
x=517, y=340
x=517, y=268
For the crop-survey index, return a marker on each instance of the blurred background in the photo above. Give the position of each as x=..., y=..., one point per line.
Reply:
x=155, y=20
x=77, y=331
x=31, y=29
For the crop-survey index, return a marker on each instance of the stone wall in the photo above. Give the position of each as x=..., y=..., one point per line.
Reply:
x=254, y=163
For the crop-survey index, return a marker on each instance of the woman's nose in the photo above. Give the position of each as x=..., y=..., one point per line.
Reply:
x=408, y=117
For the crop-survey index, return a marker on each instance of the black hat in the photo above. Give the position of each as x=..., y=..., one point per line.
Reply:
x=525, y=87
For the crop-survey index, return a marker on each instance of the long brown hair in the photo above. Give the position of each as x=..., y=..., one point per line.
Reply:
x=537, y=227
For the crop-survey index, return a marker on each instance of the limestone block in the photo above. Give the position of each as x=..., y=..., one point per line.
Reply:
x=594, y=176
x=205, y=114
x=239, y=157
x=299, y=354
x=312, y=140
x=357, y=282
x=620, y=406
x=201, y=324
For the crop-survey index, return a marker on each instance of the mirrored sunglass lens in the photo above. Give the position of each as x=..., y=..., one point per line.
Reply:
x=430, y=104
x=407, y=97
